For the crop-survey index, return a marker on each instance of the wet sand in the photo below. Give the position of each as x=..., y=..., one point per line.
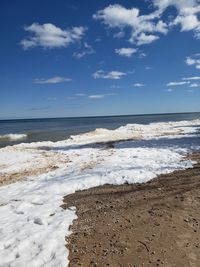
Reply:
x=151, y=224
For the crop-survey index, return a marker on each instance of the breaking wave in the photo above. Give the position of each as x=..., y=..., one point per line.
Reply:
x=12, y=137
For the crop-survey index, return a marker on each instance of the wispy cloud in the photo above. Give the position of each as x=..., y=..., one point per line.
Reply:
x=142, y=55
x=126, y=51
x=50, y=36
x=99, y=96
x=96, y=96
x=115, y=75
x=189, y=81
x=178, y=83
x=52, y=80
x=194, y=85
x=194, y=78
x=138, y=84
x=87, y=50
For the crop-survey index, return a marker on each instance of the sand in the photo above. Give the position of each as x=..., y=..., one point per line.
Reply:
x=151, y=224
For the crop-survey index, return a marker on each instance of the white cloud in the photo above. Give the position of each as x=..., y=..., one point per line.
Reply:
x=188, y=23
x=194, y=85
x=186, y=81
x=52, y=80
x=88, y=50
x=126, y=51
x=143, y=38
x=190, y=81
x=146, y=28
x=142, y=26
x=187, y=16
x=138, y=84
x=115, y=75
x=178, y=83
x=96, y=96
x=49, y=36
x=193, y=61
x=195, y=78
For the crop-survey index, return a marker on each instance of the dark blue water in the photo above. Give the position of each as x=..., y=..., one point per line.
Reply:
x=61, y=128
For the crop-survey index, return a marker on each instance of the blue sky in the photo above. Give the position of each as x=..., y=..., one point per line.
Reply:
x=87, y=58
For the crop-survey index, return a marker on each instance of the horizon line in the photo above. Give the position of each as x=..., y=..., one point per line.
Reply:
x=101, y=116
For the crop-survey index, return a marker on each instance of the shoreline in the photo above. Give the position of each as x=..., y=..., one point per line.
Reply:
x=151, y=224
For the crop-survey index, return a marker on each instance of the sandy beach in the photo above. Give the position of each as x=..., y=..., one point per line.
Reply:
x=150, y=224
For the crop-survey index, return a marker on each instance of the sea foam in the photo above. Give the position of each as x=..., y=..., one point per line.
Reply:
x=12, y=137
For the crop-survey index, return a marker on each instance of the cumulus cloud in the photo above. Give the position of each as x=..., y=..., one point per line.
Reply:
x=52, y=80
x=50, y=36
x=187, y=16
x=138, y=84
x=115, y=75
x=141, y=25
x=87, y=50
x=126, y=51
x=146, y=29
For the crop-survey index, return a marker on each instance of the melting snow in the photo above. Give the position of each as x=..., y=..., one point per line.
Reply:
x=33, y=225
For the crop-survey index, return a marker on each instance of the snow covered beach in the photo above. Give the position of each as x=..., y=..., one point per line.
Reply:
x=33, y=225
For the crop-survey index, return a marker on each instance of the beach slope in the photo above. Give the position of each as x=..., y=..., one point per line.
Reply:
x=151, y=224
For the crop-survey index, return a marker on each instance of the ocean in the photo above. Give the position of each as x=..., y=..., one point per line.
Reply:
x=56, y=129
